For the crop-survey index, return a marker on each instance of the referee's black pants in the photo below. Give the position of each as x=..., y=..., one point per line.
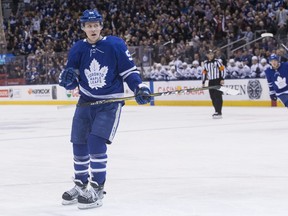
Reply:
x=216, y=96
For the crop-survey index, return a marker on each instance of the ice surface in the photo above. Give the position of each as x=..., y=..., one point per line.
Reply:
x=164, y=161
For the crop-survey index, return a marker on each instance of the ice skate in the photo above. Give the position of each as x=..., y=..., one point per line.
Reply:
x=70, y=197
x=92, y=198
x=216, y=115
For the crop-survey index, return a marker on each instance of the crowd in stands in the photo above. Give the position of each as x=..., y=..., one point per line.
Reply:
x=43, y=30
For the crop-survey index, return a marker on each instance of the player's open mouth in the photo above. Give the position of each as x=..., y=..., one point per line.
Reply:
x=94, y=35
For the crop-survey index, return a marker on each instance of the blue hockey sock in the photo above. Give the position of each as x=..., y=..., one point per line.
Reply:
x=98, y=158
x=81, y=162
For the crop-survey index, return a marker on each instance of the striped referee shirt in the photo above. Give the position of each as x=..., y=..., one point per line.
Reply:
x=213, y=69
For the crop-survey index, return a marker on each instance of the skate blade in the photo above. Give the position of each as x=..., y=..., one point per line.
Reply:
x=69, y=202
x=89, y=206
x=217, y=117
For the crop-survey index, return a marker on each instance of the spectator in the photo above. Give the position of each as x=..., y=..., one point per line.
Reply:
x=49, y=27
x=281, y=19
x=248, y=34
x=281, y=54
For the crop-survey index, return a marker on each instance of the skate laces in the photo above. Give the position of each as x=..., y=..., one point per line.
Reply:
x=91, y=193
x=76, y=190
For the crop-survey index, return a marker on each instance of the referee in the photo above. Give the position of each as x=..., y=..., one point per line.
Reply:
x=214, y=72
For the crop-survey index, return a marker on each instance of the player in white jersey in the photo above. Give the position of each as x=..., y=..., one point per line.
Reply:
x=255, y=67
x=180, y=72
x=232, y=70
x=196, y=70
x=263, y=67
x=161, y=71
x=98, y=66
x=187, y=71
x=158, y=72
x=153, y=72
x=244, y=70
x=171, y=73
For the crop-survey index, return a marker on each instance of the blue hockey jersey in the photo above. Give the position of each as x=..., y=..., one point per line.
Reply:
x=102, y=68
x=277, y=79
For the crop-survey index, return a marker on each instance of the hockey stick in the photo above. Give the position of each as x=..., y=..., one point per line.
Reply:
x=168, y=42
x=263, y=35
x=182, y=91
x=277, y=41
x=284, y=47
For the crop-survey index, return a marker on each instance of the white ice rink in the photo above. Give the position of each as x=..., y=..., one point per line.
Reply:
x=164, y=161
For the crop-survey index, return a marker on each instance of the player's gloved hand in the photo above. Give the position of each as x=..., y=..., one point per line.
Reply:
x=273, y=97
x=67, y=77
x=142, y=94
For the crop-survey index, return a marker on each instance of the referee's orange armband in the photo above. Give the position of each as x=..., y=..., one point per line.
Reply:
x=221, y=68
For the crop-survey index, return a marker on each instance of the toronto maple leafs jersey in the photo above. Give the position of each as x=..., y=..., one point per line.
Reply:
x=277, y=79
x=102, y=68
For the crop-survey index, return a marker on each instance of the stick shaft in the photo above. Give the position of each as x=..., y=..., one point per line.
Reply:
x=284, y=47
x=151, y=95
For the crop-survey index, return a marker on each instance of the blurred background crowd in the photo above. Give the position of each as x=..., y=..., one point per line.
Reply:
x=167, y=38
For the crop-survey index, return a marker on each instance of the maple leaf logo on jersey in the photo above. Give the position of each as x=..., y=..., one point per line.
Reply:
x=281, y=82
x=96, y=75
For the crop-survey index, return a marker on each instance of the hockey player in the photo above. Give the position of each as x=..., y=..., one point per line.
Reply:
x=244, y=70
x=153, y=72
x=187, y=71
x=255, y=67
x=277, y=78
x=180, y=72
x=196, y=70
x=263, y=67
x=232, y=70
x=97, y=65
x=171, y=73
x=161, y=71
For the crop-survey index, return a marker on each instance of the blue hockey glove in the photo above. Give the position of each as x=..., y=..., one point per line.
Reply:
x=142, y=94
x=273, y=97
x=67, y=77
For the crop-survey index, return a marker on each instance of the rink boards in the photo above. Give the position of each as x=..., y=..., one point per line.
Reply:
x=252, y=92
